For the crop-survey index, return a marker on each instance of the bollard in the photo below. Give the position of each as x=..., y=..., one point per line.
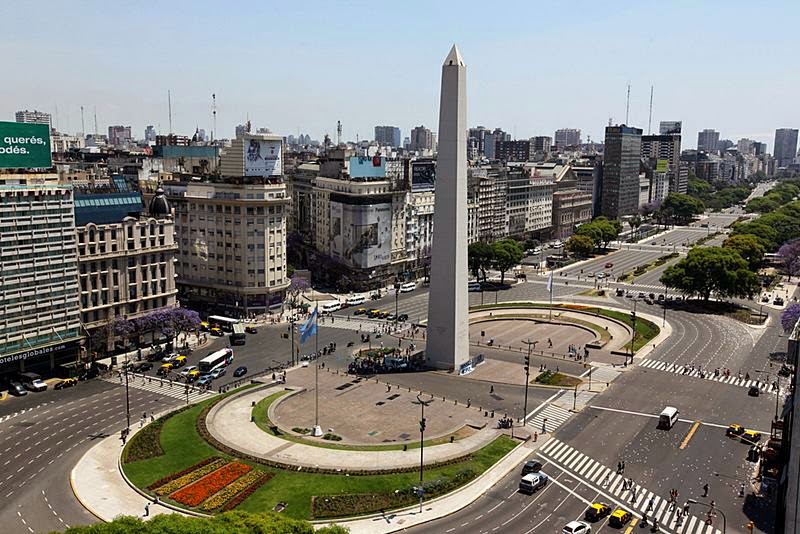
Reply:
x=253, y=404
x=452, y=439
x=492, y=414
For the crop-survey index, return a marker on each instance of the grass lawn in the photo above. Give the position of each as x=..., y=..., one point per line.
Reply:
x=263, y=422
x=557, y=379
x=183, y=447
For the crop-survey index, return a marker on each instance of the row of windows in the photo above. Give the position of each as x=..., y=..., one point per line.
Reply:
x=235, y=210
x=43, y=310
x=30, y=341
x=131, y=308
x=60, y=281
x=66, y=240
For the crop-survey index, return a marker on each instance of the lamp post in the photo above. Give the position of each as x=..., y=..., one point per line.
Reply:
x=422, y=423
x=633, y=333
x=724, y=521
x=127, y=397
x=529, y=343
x=396, y=297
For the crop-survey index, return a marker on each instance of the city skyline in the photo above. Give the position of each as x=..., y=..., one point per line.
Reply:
x=227, y=57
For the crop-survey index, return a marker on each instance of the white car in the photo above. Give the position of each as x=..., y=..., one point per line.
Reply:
x=188, y=370
x=217, y=372
x=577, y=527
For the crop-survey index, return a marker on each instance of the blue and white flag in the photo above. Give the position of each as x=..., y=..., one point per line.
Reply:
x=309, y=328
x=550, y=283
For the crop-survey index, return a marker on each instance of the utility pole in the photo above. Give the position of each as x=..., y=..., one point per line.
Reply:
x=633, y=332
x=422, y=424
x=529, y=343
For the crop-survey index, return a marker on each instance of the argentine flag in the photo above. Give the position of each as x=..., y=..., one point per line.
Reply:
x=309, y=328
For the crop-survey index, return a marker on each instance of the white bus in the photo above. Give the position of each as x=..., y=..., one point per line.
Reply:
x=224, y=323
x=330, y=307
x=355, y=300
x=408, y=287
x=220, y=358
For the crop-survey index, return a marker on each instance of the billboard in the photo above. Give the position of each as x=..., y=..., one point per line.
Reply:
x=262, y=157
x=423, y=174
x=363, y=167
x=361, y=235
x=24, y=146
x=662, y=165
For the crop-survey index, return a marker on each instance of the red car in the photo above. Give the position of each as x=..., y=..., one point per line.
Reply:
x=609, y=265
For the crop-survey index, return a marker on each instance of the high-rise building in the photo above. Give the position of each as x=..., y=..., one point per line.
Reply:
x=516, y=151
x=119, y=135
x=150, y=134
x=666, y=149
x=708, y=140
x=785, y=146
x=40, y=325
x=620, y=180
x=387, y=136
x=34, y=117
x=670, y=127
x=422, y=139
x=542, y=144
x=566, y=137
x=476, y=142
x=490, y=142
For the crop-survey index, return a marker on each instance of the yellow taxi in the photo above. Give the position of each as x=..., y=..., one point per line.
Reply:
x=216, y=331
x=360, y=311
x=65, y=383
x=619, y=518
x=750, y=436
x=734, y=430
x=165, y=369
x=204, y=326
x=192, y=375
x=178, y=361
x=597, y=511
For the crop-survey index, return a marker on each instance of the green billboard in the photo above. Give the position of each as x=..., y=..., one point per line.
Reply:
x=662, y=165
x=24, y=146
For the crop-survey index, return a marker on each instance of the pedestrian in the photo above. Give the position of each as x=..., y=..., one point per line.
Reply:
x=650, y=504
x=146, y=509
x=619, y=467
x=491, y=390
x=544, y=425
x=705, y=489
x=152, y=417
x=623, y=467
x=606, y=479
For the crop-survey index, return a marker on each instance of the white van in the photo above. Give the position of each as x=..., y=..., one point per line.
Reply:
x=408, y=287
x=355, y=300
x=330, y=307
x=532, y=482
x=667, y=417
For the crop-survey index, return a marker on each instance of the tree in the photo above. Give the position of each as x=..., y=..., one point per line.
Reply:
x=635, y=222
x=580, y=245
x=506, y=253
x=762, y=205
x=766, y=235
x=790, y=316
x=749, y=247
x=789, y=255
x=229, y=522
x=297, y=285
x=680, y=208
x=712, y=270
x=601, y=231
x=480, y=256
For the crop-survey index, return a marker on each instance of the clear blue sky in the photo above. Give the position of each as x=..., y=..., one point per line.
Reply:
x=532, y=66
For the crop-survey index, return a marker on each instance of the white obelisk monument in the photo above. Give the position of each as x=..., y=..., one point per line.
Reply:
x=448, y=324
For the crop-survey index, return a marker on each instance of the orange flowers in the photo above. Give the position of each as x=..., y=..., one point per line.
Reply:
x=197, y=492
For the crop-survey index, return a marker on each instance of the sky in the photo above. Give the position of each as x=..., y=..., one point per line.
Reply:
x=298, y=67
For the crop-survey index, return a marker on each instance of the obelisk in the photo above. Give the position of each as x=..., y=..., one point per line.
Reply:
x=448, y=324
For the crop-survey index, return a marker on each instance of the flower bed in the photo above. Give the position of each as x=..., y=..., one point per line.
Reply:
x=188, y=478
x=173, y=476
x=199, y=491
x=254, y=479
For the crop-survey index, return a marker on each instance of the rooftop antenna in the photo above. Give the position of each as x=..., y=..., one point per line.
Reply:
x=169, y=107
x=338, y=133
x=213, y=115
x=96, y=131
x=628, y=104
x=650, y=120
x=610, y=121
x=56, y=104
x=83, y=126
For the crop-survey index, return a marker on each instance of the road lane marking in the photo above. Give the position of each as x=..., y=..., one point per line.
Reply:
x=655, y=416
x=688, y=437
x=633, y=524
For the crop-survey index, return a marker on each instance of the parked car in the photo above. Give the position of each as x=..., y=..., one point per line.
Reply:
x=250, y=330
x=531, y=466
x=402, y=317
x=240, y=371
x=17, y=389
x=65, y=383
x=577, y=527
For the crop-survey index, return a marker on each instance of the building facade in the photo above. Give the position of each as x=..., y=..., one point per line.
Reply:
x=422, y=139
x=785, y=146
x=119, y=135
x=388, y=136
x=620, y=181
x=514, y=151
x=529, y=202
x=40, y=325
x=708, y=140
x=566, y=137
x=34, y=117
x=667, y=150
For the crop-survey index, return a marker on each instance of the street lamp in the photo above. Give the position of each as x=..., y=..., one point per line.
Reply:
x=633, y=333
x=724, y=521
x=396, y=297
x=527, y=377
x=127, y=397
x=422, y=423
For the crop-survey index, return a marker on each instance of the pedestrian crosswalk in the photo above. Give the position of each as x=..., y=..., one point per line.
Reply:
x=697, y=372
x=549, y=418
x=604, y=373
x=159, y=386
x=626, y=493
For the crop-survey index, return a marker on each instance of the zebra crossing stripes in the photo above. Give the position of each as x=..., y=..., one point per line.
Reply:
x=705, y=375
x=175, y=390
x=604, y=374
x=549, y=418
x=20, y=412
x=611, y=483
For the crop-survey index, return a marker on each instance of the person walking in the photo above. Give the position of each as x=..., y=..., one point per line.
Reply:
x=705, y=489
x=146, y=509
x=650, y=504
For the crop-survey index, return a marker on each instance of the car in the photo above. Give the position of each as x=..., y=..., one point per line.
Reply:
x=217, y=372
x=390, y=317
x=373, y=313
x=609, y=265
x=629, y=295
x=167, y=358
x=641, y=295
x=597, y=511
x=402, y=317
x=204, y=326
x=65, y=383
x=474, y=286
x=531, y=466
x=620, y=292
x=778, y=301
x=204, y=380
x=242, y=370
x=648, y=300
x=577, y=527
x=619, y=518
x=532, y=482
x=217, y=332
x=250, y=330
x=601, y=275
x=734, y=430
x=661, y=297
x=590, y=275
x=384, y=315
x=750, y=436
x=36, y=384
x=754, y=391
x=652, y=296
x=178, y=361
x=188, y=370
x=165, y=369
x=92, y=372
x=16, y=389
x=360, y=311
x=192, y=375
x=141, y=367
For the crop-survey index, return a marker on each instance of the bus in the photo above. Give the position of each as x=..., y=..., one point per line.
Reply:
x=238, y=336
x=224, y=323
x=220, y=358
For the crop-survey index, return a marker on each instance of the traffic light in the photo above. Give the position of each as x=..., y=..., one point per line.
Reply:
x=527, y=363
x=422, y=425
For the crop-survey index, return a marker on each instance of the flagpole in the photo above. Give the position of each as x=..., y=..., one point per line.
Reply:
x=317, y=429
x=550, y=291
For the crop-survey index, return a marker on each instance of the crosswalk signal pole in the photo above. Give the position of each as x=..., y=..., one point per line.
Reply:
x=527, y=378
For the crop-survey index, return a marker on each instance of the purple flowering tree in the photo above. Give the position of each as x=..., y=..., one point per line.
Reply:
x=790, y=316
x=789, y=255
x=298, y=285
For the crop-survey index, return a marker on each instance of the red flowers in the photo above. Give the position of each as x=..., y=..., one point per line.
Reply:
x=197, y=492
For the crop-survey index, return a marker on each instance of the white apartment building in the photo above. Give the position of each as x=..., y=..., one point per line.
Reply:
x=529, y=200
